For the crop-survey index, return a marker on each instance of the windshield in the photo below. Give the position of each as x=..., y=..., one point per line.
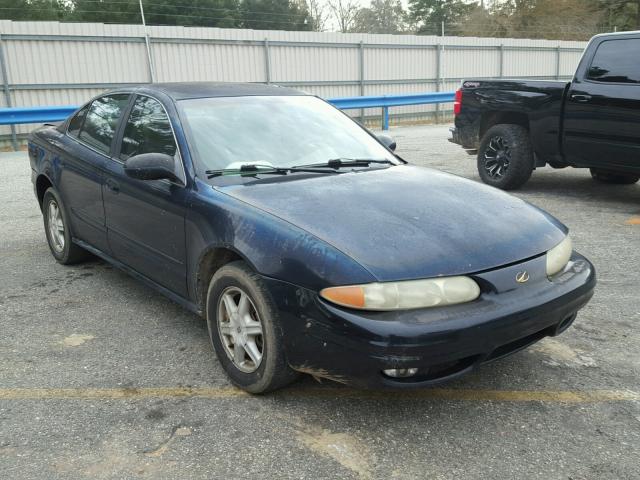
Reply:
x=279, y=131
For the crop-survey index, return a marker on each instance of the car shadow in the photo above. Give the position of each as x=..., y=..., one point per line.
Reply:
x=578, y=184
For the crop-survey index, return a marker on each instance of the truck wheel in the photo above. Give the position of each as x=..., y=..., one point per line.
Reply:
x=505, y=157
x=245, y=332
x=58, y=230
x=619, y=178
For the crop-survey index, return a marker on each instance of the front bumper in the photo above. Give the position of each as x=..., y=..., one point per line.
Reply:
x=354, y=347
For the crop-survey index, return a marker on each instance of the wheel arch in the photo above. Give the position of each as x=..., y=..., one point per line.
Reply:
x=211, y=260
x=489, y=119
x=42, y=184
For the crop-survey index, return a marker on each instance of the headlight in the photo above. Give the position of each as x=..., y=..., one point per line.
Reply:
x=558, y=256
x=404, y=295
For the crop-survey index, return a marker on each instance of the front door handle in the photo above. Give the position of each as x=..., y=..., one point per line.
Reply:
x=112, y=185
x=579, y=97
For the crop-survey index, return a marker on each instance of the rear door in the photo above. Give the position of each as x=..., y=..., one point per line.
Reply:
x=602, y=113
x=145, y=218
x=85, y=153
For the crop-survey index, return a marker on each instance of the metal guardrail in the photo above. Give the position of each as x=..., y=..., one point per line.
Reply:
x=21, y=115
x=386, y=101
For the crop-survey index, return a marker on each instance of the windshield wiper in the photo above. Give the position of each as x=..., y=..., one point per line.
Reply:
x=254, y=169
x=250, y=169
x=337, y=163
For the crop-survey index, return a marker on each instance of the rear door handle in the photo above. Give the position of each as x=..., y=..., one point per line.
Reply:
x=112, y=185
x=581, y=98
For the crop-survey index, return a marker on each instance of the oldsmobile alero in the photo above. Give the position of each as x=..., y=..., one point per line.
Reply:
x=303, y=239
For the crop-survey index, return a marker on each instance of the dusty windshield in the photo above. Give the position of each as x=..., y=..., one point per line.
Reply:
x=281, y=131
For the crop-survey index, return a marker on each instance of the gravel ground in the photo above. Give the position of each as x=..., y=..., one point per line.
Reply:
x=101, y=377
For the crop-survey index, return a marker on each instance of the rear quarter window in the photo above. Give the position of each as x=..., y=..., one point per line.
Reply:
x=77, y=121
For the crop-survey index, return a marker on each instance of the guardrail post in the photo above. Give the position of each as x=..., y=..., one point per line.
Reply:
x=385, y=118
x=267, y=61
x=558, y=62
x=501, y=60
x=7, y=92
x=361, y=69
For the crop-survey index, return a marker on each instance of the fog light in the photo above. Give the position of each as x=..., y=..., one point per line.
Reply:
x=400, y=372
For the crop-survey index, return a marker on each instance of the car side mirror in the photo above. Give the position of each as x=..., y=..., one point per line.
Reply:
x=151, y=166
x=387, y=141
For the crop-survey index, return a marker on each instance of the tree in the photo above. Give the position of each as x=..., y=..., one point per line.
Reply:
x=621, y=14
x=33, y=9
x=344, y=12
x=383, y=16
x=204, y=13
x=429, y=14
x=318, y=15
x=275, y=15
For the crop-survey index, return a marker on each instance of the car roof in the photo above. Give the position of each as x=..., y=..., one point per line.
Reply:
x=187, y=90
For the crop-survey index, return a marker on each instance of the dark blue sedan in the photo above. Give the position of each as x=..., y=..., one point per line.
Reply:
x=305, y=242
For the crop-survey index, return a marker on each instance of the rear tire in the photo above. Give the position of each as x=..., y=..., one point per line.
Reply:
x=248, y=340
x=58, y=230
x=618, y=178
x=505, y=157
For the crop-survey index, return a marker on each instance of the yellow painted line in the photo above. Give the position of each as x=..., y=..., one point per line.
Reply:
x=633, y=221
x=551, y=396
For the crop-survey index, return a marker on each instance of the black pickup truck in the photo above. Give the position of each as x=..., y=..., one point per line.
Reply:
x=515, y=126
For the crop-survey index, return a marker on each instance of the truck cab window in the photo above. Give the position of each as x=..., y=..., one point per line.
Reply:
x=616, y=61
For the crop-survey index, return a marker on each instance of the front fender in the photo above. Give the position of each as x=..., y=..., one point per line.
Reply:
x=271, y=246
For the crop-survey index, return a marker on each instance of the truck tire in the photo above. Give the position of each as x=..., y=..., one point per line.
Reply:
x=505, y=157
x=619, y=178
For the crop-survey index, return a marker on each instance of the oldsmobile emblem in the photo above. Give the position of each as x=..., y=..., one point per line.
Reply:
x=522, y=277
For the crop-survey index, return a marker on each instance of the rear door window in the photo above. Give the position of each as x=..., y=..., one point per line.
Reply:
x=148, y=130
x=616, y=61
x=101, y=120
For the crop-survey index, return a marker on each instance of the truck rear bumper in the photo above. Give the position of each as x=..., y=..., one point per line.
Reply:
x=466, y=137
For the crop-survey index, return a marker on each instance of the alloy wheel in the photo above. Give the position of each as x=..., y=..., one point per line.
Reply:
x=56, y=226
x=240, y=329
x=497, y=157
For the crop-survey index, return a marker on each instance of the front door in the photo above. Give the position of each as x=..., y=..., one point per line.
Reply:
x=602, y=113
x=146, y=218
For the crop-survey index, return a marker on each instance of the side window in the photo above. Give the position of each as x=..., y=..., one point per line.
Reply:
x=101, y=121
x=148, y=130
x=616, y=61
x=76, y=122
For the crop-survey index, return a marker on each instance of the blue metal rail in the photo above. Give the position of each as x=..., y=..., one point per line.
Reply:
x=20, y=115
x=386, y=101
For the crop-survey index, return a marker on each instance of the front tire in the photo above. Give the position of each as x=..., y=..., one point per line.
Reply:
x=58, y=230
x=245, y=331
x=505, y=157
x=618, y=178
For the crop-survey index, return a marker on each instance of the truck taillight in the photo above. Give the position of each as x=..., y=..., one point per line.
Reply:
x=457, y=102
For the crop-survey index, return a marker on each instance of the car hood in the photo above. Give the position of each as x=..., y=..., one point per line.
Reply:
x=408, y=222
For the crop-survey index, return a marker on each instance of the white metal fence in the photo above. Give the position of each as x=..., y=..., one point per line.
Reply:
x=51, y=63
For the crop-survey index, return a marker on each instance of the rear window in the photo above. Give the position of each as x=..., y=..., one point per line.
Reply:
x=101, y=120
x=616, y=61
